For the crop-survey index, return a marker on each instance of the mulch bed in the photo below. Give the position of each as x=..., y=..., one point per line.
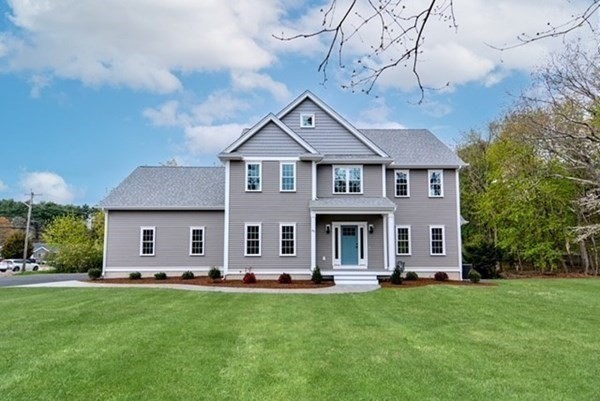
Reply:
x=219, y=283
x=429, y=281
x=536, y=274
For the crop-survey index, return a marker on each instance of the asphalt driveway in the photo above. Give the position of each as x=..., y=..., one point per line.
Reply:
x=13, y=280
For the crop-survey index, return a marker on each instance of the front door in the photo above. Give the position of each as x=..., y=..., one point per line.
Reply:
x=349, y=242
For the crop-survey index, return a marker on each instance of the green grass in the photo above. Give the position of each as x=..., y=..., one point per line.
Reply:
x=522, y=340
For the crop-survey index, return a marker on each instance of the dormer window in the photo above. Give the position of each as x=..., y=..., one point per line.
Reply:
x=307, y=120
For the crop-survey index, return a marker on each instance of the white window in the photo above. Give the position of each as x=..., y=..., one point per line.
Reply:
x=287, y=236
x=347, y=180
x=436, y=183
x=287, y=177
x=252, y=235
x=147, y=238
x=307, y=120
x=196, y=241
x=253, y=177
x=402, y=183
x=403, y=240
x=437, y=240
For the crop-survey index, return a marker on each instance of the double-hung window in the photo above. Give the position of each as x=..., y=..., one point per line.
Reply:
x=347, y=180
x=402, y=181
x=287, y=177
x=287, y=236
x=253, y=239
x=437, y=241
x=196, y=241
x=147, y=241
x=402, y=240
x=436, y=183
x=253, y=177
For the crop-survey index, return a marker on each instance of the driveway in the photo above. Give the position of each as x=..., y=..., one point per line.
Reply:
x=13, y=280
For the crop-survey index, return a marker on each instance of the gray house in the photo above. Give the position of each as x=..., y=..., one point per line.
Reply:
x=300, y=189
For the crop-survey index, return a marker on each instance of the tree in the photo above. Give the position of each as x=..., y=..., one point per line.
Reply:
x=6, y=229
x=13, y=246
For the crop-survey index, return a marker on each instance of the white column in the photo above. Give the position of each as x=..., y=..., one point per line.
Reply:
x=313, y=240
x=391, y=226
x=386, y=264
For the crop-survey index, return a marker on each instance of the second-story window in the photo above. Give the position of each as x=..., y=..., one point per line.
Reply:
x=402, y=183
x=288, y=177
x=436, y=183
x=347, y=180
x=253, y=177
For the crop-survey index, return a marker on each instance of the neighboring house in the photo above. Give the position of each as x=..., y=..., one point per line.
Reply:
x=41, y=251
x=300, y=189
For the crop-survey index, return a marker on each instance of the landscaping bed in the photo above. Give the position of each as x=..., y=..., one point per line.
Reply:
x=205, y=281
x=429, y=281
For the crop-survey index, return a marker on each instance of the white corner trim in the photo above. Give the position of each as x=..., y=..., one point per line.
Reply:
x=226, y=221
x=313, y=240
x=458, y=221
x=105, y=245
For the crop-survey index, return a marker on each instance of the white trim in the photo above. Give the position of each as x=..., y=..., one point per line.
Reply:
x=386, y=264
x=105, y=245
x=286, y=163
x=309, y=115
x=362, y=262
x=313, y=240
x=314, y=180
x=260, y=170
x=226, y=220
x=347, y=168
x=259, y=225
x=202, y=228
x=142, y=228
x=429, y=172
x=383, y=181
x=458, y=222
x=407, y=172
x=281, y=225
x=129, y=269
x=409, y=240
x=431, y=227
x=270, y=159
x=391, y=223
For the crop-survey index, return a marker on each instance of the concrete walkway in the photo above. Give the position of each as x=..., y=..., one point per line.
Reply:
x=336, y=289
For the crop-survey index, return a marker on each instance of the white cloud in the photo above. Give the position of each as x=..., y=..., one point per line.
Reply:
x=165, y=115
x=3, y=186
x=249, y=81
x=204, y=140
x=50, y=185
x=377, y=116
x=38, y=84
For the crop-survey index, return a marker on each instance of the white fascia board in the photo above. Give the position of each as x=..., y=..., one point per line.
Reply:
x=160, y=208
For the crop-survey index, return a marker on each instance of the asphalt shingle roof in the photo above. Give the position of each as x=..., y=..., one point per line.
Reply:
x=352, y=203
x=413, y=147
x=169, y=187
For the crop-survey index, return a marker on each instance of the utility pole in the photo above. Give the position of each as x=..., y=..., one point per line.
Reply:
x=29, y=207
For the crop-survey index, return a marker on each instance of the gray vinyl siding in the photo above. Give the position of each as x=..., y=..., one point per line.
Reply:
x=328, y=136
x=375, y=255
x=271, y=141
x=172, y=239
x=371, y=181
x=270, y=207
x=420, y=211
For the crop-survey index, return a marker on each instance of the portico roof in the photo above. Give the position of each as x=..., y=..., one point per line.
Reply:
x=357, y=204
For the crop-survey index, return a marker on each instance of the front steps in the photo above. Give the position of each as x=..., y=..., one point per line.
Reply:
x=355, y=278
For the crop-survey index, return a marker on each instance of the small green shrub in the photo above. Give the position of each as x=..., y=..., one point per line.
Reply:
x=474, y=276
x=249, y=278
x=285, y=278
x=188, y=275
x=396, y=277
x=214, y=273
x=316, y=277
x=412, y=276
x=135, y=276
x=95, y=274
x=160, y=276
x=441, y=276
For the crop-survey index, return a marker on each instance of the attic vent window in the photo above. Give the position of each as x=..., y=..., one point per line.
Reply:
x=307, y=121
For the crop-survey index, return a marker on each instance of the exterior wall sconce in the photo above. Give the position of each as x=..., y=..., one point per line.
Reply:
x=371, y=228
x=327, y=229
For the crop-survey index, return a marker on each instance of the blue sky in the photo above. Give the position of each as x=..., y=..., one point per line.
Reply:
x=91, y=89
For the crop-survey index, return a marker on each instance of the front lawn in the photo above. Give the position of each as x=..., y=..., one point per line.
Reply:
x=520, y=340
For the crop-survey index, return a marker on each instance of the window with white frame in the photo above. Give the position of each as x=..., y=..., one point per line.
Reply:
x=403, y=240
x=307, y=120
x=252, y=235
x=196, y=241
x=147, y=239
x=347, y=180
x=402, y=183
x=253, y=177
x=437, y=240
x=287, y=177
x=287, y=235
x=436, y=183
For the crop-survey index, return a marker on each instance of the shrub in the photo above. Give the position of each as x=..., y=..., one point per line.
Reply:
x=135, y=276
x=188, y=275
x=285, y=278
x=94, y=273
x=474, y=276
x=13, y=246
x=316, y=277
x=160, y=276
x=214, y=273
x=484, y=257
x=440, y=276
x=412, y=276
x=396, y=277
x=249, y=278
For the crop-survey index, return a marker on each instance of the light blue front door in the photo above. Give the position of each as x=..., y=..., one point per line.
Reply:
x=349, y=245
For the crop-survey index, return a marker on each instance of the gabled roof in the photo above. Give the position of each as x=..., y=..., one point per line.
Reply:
x=269, y=118
x=165, y=187
x=333, y=114
x=414, y=148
